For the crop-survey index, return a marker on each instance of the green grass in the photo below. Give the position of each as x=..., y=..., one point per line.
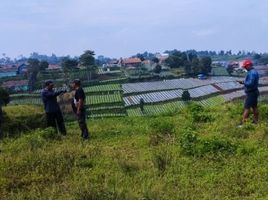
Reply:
x=172, y=107
x=103, y=88
x=27, y=101
x=158, y=109
x=104, y=99
x=196, y=154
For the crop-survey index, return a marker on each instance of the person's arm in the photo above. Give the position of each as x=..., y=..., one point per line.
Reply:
x=51, y=94
x=80, y=105
x=250, y=81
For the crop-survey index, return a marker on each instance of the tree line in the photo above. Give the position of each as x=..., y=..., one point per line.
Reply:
x=68, y=64
x=190, y=62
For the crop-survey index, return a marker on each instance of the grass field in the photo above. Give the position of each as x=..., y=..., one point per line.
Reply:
x=196, y=154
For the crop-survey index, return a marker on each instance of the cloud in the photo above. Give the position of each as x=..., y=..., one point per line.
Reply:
x=121, y=28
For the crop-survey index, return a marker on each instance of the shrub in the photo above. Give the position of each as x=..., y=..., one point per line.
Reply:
x=163, y=127
x=19, y=119
x=49, y=134
x=199, y=114
x=161, y=159
x=128, y=167
x=192, y=145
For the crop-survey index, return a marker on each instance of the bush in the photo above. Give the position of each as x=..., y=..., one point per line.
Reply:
x=161, y=159
x=163, y=127
x=20, y=119
x=192, y=145
x=49, y=134
x=199, y=115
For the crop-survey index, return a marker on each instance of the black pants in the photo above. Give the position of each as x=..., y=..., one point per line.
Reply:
x=54, y=119
x=83, y=125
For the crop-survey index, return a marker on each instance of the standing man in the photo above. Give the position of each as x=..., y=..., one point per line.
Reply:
x=1, y=119
x=52, y=108
x=251, y=84
x=79, y=109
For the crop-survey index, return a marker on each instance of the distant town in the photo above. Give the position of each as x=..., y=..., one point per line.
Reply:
x=27, y=74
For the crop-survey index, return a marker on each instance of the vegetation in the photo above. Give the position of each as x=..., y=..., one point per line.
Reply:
x=191, y=63
x=4, y=97
x=196, y=154
x=20, y=119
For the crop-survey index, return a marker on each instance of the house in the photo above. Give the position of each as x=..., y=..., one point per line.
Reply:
x=161, y=57
x=16, y=86
x=8, y=71
x=131, y=62
x=53, y=67
x=22, y=69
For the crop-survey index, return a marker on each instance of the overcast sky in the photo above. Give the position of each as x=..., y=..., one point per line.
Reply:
x=118, y=28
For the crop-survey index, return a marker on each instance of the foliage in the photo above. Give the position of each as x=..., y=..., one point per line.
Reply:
x=4, y=97
x=158, y=69
x=191, y=63
x=20, y=119
x=87, y=60
x=213, y=160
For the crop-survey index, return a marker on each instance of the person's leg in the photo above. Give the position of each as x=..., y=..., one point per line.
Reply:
x=247, y=106
x=60, y=122
x=246, y=115
x=1, y=131
x=51, y=122
x=255, y=115
x=83, y=125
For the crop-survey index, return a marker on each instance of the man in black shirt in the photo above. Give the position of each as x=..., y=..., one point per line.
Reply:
x=78, y=105
x=52, y=108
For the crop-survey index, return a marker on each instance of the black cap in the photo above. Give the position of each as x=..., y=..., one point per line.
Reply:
x=77, y=81
x=47, y=83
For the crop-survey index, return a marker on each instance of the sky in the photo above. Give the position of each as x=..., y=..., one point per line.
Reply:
x=122, y=28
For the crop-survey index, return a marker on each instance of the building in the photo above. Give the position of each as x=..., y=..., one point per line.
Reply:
x=53, y=67
x=8, y=71
x=16, y=86
x=131, y=62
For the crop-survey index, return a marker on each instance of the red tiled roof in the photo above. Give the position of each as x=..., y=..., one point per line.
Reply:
x=9, y=84
x=52, y=67
x=8, y=68
x=132, y=61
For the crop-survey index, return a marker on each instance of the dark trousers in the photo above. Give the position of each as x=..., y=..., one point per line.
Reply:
x=83, y=125
x=55, y=119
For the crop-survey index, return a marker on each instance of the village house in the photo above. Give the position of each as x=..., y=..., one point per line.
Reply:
x=16, y=86
x=53, y=67
x=131, y=62
x=8, y=71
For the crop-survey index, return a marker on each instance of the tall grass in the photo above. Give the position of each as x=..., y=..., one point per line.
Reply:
x=198, y=153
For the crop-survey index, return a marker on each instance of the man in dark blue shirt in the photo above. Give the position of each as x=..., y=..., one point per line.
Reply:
x=251, y=84
x=52, y=108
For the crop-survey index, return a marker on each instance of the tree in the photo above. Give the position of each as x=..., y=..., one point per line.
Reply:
x=257, y=56
x=186, y=95
x=230, y=69
x=195, y=66
x=4, y=97
x=33, y=70
x=205, y=63
x=158, y=69
x=87, y=60
x=187, y=68
x=68, y=65
x=155, y=60
x=264, y=59
x=43, y=65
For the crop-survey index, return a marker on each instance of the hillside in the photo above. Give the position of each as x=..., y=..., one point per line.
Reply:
x=196, y=153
